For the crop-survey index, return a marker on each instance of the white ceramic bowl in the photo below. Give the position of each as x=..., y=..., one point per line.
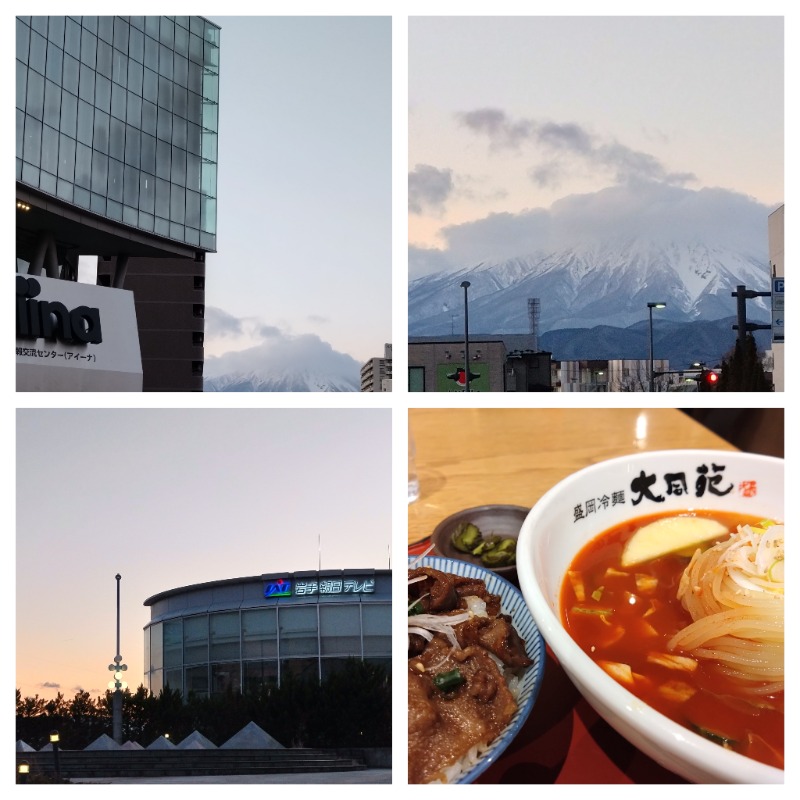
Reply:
x=595, y=499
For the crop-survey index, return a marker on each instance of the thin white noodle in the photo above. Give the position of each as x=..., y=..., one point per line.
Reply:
x=416, y=562
x=736, y=604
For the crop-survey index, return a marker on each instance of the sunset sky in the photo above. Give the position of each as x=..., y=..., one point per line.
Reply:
x=172, y=497
x=513, y=116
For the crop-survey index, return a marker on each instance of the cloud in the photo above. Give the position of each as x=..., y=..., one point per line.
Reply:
x=547, y=175
x=225, y=332
x=648, y=209
x=318, y=319
x=221, y=323
x=428, y=188
x=50, y=685
x=267, y=350
x=502, y=132
x=269, y=331
x=568, y=142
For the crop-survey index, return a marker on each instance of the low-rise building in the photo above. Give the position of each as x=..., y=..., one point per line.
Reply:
x=497, y=363
x=376, y=374
x=616, y=375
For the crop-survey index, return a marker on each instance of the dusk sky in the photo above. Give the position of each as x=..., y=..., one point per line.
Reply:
x=558, y=124
x=304, y=238
x=172, y=497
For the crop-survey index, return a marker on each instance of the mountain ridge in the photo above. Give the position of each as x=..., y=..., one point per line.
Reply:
x=593, y=284
x=301, y=381
x=705, y=341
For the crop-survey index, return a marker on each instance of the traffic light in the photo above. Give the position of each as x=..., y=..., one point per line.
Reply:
x=707, y=381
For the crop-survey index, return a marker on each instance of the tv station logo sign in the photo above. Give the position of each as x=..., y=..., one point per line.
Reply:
x=75, y=337
x=303, y=588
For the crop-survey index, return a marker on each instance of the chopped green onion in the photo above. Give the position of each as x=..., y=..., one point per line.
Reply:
x=725, y=741
x=601, y=612
x=449, y=681
x=775, y=572
x=415, y=608
x=598, y=593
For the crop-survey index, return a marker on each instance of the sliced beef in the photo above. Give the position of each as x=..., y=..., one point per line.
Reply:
x=497, y=635
x=436, y=593
x=443, y=726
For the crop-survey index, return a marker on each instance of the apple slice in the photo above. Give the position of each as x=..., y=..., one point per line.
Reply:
x=669, y=535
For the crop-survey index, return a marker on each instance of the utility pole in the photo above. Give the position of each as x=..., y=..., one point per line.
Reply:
x=465, y=285
x=742, y=325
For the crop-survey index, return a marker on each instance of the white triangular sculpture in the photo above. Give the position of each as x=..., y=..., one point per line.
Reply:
x=103, y=742
x=162, y=743
x=196, y=741
x=129, y=745
x=24, y=747
x=251, y=737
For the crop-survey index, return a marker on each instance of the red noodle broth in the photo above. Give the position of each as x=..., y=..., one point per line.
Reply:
x=624, y=616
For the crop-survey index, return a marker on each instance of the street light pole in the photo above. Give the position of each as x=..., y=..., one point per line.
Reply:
x=650, y=307
x=117, y=685
x=465, y=285
x=54, y=740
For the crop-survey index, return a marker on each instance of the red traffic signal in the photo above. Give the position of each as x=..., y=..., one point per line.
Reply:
x=707, y=381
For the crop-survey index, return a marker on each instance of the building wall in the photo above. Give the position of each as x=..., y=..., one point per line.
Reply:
x=373, y=372
x=117, y=121
x=435, y=360
x=169, y=295
x=376, y=374
x=528, y=372
x=227, y=635
x=615, y=375
x=634, y=375
x=776, y=245
x=118, y=116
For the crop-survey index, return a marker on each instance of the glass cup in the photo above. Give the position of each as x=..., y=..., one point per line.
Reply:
x=413, y=478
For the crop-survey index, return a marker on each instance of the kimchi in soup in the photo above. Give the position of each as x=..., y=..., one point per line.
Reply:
x=698, y=636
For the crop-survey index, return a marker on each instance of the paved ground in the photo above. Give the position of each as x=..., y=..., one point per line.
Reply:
x=359, y=776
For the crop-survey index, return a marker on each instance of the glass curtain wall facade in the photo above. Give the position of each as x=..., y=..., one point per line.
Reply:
x=119, y=116
x=259, y=642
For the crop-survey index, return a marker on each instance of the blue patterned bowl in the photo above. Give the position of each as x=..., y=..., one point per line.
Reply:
x=513, y=604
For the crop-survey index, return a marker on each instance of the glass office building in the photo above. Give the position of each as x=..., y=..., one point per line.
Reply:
x=244, y=633
x=118, y=116
x=116, y=158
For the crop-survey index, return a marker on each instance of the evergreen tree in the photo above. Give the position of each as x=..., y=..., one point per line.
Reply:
x=352, y=707
x=742, y=370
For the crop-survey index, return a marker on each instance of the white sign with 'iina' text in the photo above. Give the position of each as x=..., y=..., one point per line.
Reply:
x=75, y=337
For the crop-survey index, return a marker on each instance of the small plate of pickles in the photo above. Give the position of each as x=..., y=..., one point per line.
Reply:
x=485, y=535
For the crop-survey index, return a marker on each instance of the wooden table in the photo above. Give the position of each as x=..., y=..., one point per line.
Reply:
x=479, y=456
x=473, y=457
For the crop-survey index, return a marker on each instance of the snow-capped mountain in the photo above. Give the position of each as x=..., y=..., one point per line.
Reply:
x=283, y=363
x=300, y=381
x=593, y=284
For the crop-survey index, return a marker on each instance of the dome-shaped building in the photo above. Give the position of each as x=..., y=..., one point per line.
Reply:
x=242, y=633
